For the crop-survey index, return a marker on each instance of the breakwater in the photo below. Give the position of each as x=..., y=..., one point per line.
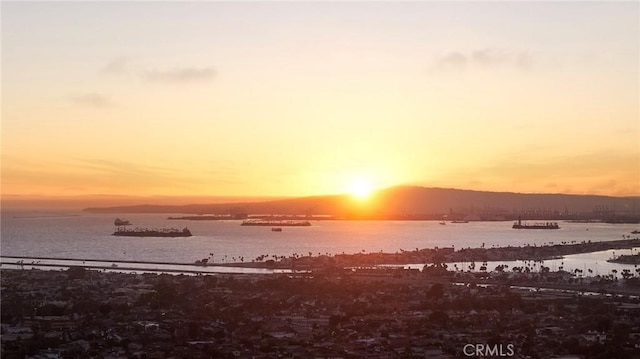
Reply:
x=543, y=252
x=451, y=254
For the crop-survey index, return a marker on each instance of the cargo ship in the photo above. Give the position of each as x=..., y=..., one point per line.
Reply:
x=262, y=222
x=161, y=232
x=546, y=225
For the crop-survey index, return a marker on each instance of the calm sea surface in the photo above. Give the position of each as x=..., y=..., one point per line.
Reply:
x=88, y=236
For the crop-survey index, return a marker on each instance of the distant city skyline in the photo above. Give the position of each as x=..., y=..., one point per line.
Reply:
x=285, y=99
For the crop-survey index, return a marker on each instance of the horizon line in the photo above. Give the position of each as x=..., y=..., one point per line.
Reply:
x=234, y=198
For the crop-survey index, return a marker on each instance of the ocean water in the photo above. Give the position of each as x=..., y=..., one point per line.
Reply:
x=82, y=235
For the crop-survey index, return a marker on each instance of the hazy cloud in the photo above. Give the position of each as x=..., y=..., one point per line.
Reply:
x=93, y=100
x=597, y=172
x=187, y=74
x=181, y=75
x=109, y=175
x=116, y=67
x=454, y=60
x=125, y=168
x=484, y=58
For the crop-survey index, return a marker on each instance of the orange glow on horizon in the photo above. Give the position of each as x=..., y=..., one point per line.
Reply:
x=361, y=188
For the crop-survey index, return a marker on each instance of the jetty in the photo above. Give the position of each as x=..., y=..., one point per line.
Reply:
x=543, y=252
x=449, y=254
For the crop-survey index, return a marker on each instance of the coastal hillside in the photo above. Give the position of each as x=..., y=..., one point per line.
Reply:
x=413, y=202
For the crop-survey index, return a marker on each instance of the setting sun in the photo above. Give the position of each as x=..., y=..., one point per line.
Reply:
x=361, y=188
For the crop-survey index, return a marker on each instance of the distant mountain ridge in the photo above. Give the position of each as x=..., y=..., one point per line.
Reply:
x=417, y=202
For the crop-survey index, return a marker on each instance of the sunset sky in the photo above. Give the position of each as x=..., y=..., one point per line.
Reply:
x=308, y=98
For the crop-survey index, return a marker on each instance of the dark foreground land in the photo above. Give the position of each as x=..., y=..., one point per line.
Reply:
x=80, y=313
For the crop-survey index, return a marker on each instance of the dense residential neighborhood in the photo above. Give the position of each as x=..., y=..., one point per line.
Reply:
x=355, y=313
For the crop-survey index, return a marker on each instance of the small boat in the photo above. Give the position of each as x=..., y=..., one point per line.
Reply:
x=202, y=262
x=443, y=223
x=459, y=221
x=276, y=229
x=121, y=222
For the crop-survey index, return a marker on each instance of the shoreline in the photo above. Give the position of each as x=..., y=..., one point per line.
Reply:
x=426, y=256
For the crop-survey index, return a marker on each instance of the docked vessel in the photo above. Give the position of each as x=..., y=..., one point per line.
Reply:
x=262, y=222
x=121, y=222
x=276, y=229
x=545, y=225
x=161, y=232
